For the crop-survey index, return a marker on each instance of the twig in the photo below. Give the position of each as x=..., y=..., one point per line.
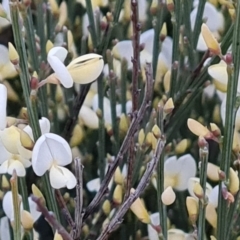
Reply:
x=64, y=209
x=76, y=231
x=135, y=90
x=137, y=118
x=118, y=218
x=136, y=54
x=51, y=219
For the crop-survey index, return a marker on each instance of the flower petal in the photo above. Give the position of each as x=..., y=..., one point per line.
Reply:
x=86, y=69
x=89, y=117
x=18, y=166
x=57, y=179
x=4, y=167
x=70, y=178
x=146, y=38
x=33, y=209
x=213, y=196
x=3, y=106
x=188, y=169
x=5, y=155
x=93, y=185
x=59, y=52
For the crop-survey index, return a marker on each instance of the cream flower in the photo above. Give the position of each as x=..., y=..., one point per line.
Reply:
x=3, y=106
x=83, y=70
x=51, y=152
x=7, y=69
x=178, y=171
x=155, y=221
x=8, y=207
x=215, y=22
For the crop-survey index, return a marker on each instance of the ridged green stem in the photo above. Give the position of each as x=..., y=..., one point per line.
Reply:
x=231, y=109
x=198, y=23
x=203, y=154
x=160, y=189
x=92, y=27
x=16, y=207
x=176, y=20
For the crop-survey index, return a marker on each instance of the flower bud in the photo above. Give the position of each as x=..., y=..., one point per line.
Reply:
x=169, y=106
x=106, y=207
x=156, y=131
x=198, y=191
x=168, y=196
x=49, y=46
x=213, y=172
x=211, y=215
x=5, y=183
x=141, y=137
x=233, y=182
x=77, y=136
x=192, y=208
x=215, y=130
x=36, y=192
x=118, y=194
x=27, y=220
x=13, y=54
x=210, y=40
x=123, y=123
x=182, y=146
x=139, y=210
x=197, y=128
x=118, y=177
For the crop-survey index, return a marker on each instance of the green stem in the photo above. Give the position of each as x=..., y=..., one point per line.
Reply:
x=176, y=19
x=198, y=22
x=161, y=11
x=101, y=129
x=23, y=192
x=231, y=109
x=203, y=152
x=112, y=84
x=160, y=189
x=123, y=85
x=187, y=5
x=16, y=207
x=92, y=27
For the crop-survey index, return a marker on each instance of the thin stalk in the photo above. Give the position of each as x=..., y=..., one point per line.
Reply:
x=92, y=27
x=233, y=215
x=112, y=83
x=203, y=152
x=23, y=192
x=160, y=188
x=176, y=20
x=187, y=6
x=229, y=125
x=41, y=27
x=123, y=84
x=158, y=22
x=16, y=207
x=101, y=129
x=198, y=22
x=28, y=24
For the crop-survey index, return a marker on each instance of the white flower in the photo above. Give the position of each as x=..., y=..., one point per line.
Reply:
x=51, y=152
x=84, y=69
x=3, y=106
x=178, y=171
x=155, y=221
x=8, y=206
x=214, y=21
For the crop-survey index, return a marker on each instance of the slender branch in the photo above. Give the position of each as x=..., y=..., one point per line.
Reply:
x=118, y=218
x=136, y=54
x=63, y=207
x=76, y=231
x=51, y=219
x=137, y=118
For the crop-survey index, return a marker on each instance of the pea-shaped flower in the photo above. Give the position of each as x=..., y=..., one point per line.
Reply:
x=51, y=152
x=84, y=69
